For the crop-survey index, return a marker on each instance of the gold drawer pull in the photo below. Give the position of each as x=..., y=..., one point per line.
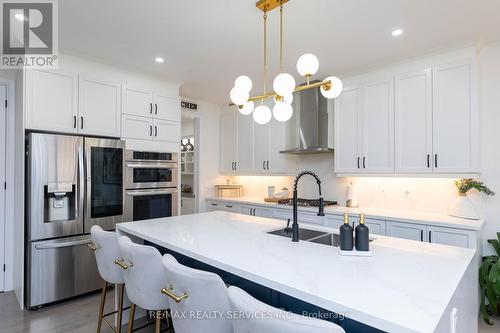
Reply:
x=92, y=246
x=173, y=296
x=122, y=264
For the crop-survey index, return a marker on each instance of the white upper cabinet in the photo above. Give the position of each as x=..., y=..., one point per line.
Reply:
x=134, y=127
x=137, y=102
x=261, y=144
x=347, y=130
x=455, y=118
x=245, y=146
x=99, y=108
x=166, y=108
x=228, y=141
x=164, y=130
x=277, y=162
x=420, y=121
x=413, y=120
x=51, y=101
x=378, y=126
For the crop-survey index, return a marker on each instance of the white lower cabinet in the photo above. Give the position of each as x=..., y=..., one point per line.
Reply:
x=410, y=231
x=224, y=206
x=453, y=237
x=304, y=217
x=256, y=211
x=376, y=227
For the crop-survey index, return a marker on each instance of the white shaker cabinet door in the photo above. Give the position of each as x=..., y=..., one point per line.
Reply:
x=228, y=141
x=347, y=130
x=244, y=161
x=455, y=119
x=99, y=107
x=378, y=126
x=413, y=122
x=51, y=101
x=164, y=130
x=278, y=162
x=261, y=146
x=410, y=231
x=166, y=108
x=453, y=237
x=134, y=127
x=137, y=102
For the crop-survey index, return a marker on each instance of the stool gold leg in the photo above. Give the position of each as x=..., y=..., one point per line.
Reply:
x=120, y=308
x=101, y=307
x=158, y=322
x=131, y=318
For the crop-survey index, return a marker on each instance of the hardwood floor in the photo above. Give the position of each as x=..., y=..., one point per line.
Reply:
x=80, y=316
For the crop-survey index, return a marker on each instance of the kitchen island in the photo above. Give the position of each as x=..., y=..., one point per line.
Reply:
x=406, y=286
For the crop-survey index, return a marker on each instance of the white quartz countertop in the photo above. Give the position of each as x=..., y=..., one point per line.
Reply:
x=399, y=289
x=435, y=219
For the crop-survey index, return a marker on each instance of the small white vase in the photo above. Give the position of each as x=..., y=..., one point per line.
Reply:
x=462, y=207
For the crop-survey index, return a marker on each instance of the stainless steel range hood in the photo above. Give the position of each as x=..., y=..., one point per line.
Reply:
x=313, y=124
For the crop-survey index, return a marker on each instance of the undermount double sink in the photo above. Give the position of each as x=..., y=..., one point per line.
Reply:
x=313, y=236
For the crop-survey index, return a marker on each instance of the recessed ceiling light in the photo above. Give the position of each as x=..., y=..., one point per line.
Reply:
x=159, y=60
x=397, y=32
x=20, y=17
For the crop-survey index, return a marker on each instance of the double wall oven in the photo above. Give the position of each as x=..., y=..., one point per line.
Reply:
x=151, y=185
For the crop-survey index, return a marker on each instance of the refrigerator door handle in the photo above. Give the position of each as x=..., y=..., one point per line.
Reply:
x=81, y=183
x=58, y=245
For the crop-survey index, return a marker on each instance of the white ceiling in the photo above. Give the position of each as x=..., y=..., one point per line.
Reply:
x=208, y=43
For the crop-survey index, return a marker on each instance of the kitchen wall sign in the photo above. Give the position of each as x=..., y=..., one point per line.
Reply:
x=189, y=105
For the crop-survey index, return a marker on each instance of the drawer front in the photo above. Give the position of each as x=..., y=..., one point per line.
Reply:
x=309, y=218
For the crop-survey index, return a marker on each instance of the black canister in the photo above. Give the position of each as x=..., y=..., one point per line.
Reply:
x=346, y=235
x=362, y=235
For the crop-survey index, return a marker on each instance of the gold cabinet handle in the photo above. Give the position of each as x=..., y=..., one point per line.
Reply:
x=123, y=264
x=92, y=246
x=169, y=293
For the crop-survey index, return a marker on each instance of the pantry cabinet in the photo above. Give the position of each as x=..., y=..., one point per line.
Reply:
x=420, y=121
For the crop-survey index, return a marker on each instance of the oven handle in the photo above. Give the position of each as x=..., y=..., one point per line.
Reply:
x=151, y=165
x=139, y=193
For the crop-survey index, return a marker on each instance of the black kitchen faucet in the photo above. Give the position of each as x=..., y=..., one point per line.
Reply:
x=295, y=225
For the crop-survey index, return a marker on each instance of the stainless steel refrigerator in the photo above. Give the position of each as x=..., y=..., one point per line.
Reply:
x=72, y=183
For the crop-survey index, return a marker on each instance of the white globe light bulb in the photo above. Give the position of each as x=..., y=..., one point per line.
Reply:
x=336, y=87
x=239, y=96
x=262, y=115
x=308, y=64
x=282, y=111
x=243, y=82
x=289, y=98
x=284, y=84
x=246, y=108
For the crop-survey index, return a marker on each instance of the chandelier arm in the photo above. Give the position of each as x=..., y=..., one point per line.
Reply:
x=327, y=85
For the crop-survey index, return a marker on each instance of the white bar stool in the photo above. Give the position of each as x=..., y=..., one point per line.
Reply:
x=261, y=318
x=144, y=279
x=193, y=291
x=106, y=250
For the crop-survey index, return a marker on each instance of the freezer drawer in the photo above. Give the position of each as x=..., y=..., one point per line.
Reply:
x=60, y=269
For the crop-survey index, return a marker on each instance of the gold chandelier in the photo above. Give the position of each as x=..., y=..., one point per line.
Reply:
x=284, y=84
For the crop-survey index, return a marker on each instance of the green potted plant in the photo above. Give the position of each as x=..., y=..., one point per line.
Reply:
x=489, y=282
x=462, y=207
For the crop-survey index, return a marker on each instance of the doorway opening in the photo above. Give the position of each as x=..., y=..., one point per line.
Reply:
x=189, y=164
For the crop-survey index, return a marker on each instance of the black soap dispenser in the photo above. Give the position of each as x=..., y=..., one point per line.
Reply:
x=346, y=235
x=362, y=235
